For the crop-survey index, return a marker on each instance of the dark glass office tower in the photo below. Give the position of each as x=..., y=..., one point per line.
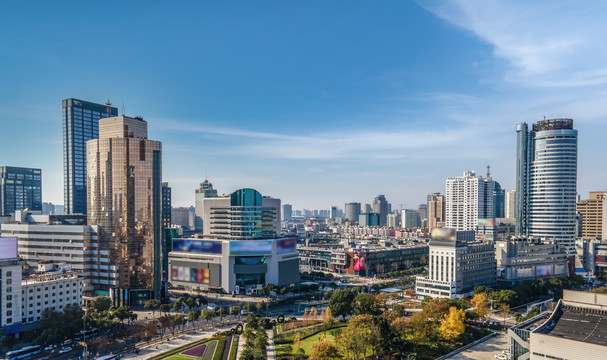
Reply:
x=80, y=124
x=20, y=188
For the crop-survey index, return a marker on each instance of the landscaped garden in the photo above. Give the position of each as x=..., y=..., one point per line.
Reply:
x=215, y=348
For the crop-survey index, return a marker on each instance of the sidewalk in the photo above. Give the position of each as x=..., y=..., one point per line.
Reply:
x=241, y=342
x=174, y=342
x=271, y=352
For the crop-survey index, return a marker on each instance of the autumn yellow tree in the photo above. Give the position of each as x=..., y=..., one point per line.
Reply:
x=481, y=303
x=452, y=326
x=324, y=350
x=306, y=317
x=313, y=314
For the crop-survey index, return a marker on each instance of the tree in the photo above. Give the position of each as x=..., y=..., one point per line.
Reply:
x=261, y=306
x=179, y=320
x=452, y=326
x=505, y=311
x=235, y=310
x=324, y=350
x=152, y=304
x=421, y=328
x=360, y=337
x=423, y=260
x=364, y=304
x=190, y=302
x=178, y=305
x=481, y=303
x=436, y=309
x=99, y=304
x=193, y=316
x=150, y=329
x=600, y=290
x=207, y=314
x=221, y=312
x=341, y=302
x=165, y=308
x=313, y=314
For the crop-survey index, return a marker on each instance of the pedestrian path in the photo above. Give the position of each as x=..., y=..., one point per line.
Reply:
x=271, y=352
x=241, y=342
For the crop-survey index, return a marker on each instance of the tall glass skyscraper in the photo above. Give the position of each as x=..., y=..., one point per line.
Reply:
x=80, y=124
x=125, y=199
x=20, y=188
x=546, y=181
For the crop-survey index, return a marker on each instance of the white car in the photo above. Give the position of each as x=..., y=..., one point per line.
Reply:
x=65, y=350
x=500, y=357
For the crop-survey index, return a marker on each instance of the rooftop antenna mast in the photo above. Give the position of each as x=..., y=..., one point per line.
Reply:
x=108, y=108
x=488, y=172
x=123, y=108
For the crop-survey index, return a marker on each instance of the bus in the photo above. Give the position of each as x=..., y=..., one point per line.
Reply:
x=107, y=357
x=23, y=353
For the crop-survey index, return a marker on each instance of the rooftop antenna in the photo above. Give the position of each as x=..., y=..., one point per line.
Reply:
x=488, y=172
x=544, y=117
x=108, y=108
x=122, y=108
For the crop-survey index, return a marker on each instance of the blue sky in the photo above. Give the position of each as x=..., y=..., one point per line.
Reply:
x=317, y=103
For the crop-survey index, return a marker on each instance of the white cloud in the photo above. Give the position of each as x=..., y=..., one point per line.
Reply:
x=546, y=43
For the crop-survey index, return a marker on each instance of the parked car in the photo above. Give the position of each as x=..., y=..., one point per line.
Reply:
x=500, y=357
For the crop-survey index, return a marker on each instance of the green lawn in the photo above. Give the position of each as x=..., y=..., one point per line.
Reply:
x=307, y=343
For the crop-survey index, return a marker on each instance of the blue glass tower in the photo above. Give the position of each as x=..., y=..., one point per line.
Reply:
x=20, y=188
x=80, y=124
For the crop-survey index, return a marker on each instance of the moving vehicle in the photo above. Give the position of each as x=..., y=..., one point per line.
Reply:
x=107, y=357
x=23, y=353
x=500, y=357
x=65, y=350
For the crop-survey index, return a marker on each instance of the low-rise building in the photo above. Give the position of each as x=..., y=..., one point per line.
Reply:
x=10, y=287
x=520, y=259
x=54, y=290
x=63, y=239
x=362, y=259
x=455, y=267
x=574, y=330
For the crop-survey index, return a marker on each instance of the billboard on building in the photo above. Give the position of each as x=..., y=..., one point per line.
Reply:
x=286, y=245
x=8, y=247
x=543, y=271
x=443, y=237
x=251, y=247
x=197, y=246
x=187, y=274
x=360, y=260
x=601, y=259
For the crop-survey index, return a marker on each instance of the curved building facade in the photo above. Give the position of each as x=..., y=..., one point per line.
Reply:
x=547, y=181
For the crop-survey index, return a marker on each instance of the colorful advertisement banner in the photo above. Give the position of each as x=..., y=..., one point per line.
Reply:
x=360, y=260
x=8, y=248
x=286, y=245
x=193, y=275
x=251, y=247
x=197, y=246
x=543, y=270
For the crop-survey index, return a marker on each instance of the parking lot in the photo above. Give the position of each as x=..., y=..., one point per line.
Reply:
x=485, y=350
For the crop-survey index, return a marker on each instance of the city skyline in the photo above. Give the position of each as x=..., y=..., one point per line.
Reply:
x=360, y=117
